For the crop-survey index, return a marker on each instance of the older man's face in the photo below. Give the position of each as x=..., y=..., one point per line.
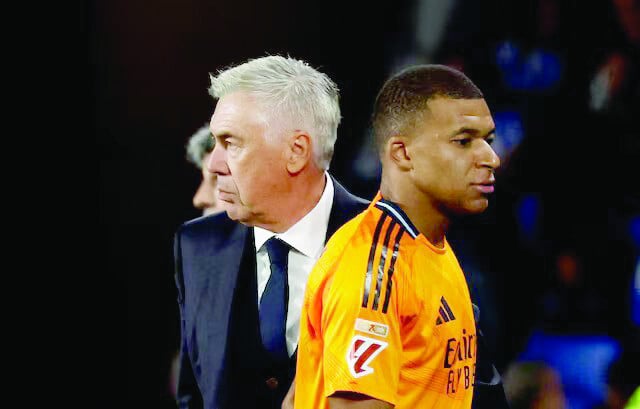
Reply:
x=249, y=161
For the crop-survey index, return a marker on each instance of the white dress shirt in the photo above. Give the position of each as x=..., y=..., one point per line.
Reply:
x=306, y=239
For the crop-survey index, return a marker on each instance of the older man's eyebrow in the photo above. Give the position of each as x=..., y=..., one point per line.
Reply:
x=222, y=135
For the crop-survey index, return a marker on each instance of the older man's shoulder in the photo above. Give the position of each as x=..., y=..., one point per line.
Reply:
x=217, y=224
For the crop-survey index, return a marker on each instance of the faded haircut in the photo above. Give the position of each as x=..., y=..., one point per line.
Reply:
x=403, y=98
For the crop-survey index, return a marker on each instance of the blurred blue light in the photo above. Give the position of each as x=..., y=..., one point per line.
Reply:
x=527, y=215
x=634, y=231
x=635, y=295
x=507, y=55
x=538, y=70
x=582, y=361
x=509, y=132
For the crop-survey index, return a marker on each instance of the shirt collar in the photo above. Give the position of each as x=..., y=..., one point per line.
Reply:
x=308, y=234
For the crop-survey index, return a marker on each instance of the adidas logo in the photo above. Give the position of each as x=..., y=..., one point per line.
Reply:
x=446, y=314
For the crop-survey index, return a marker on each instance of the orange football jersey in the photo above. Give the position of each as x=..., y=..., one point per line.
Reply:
x=388, y=315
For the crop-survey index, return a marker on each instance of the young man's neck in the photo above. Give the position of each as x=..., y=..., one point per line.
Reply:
x=427, y=218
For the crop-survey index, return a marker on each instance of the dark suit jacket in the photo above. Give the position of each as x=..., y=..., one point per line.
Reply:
x=208, y=253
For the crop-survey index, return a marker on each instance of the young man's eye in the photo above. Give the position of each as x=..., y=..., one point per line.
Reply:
x=463, y=141
x=490, y=140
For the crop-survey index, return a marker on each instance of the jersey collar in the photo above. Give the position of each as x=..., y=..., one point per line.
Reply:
x=393, y=210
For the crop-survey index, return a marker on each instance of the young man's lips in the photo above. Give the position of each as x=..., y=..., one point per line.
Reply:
x=488, y=188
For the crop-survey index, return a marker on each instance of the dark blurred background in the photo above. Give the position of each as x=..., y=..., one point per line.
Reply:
x=553, y=260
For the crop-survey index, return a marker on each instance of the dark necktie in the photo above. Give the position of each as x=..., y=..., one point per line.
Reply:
x=274, y=301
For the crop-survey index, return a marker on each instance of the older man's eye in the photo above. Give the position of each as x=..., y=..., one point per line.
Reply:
x=228, y=142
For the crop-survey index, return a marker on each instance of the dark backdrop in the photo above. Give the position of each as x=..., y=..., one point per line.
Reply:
x=149, y=65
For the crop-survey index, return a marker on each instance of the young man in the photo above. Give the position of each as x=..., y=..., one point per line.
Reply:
x=387, y=320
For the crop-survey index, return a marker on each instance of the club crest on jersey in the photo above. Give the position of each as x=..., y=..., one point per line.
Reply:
x=361, y=352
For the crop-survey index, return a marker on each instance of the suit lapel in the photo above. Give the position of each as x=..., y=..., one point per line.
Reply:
x=225, y=254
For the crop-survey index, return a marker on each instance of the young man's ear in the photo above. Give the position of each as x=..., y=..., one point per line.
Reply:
x=298, y=152
x=398, y=153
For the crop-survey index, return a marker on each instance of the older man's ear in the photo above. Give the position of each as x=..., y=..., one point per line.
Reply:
x=299, y=152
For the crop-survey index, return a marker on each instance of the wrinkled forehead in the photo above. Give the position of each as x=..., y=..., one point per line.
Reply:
x=237, y=111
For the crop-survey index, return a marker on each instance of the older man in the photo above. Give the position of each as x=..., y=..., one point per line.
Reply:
x=241, y=275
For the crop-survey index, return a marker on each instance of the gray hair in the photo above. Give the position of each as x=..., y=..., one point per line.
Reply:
x=200, y=143
x=290, y=89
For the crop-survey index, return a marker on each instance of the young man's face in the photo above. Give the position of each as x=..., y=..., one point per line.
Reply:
x=453, y=162
x=248, y=160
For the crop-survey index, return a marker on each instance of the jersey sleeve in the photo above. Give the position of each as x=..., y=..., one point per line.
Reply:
x=361, y=321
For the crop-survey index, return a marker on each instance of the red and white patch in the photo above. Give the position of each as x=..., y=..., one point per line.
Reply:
x=361, y=352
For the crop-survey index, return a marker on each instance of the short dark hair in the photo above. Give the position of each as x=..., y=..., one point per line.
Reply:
x=405, y=95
